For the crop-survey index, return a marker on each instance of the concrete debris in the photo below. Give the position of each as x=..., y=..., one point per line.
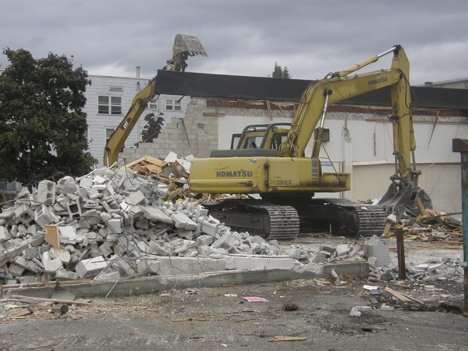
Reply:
x=382, y=268
x=116, y=223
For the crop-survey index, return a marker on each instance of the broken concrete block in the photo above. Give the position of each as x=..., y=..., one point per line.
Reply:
x=185, y=234
x=24, y=194
x=86, y=182
x=4, y=234
x=27, y=264
x=64, y=274
x=205, y=240
x=93, y=193
x=74, y=208
x=67, y=234
x=24, y=214
x=136, y=198
x=342, y=250
x=158, y=249
x=181, y=220
x=43, y=216
x=51, y=265
x=115, y=225
x=30, y=279
x=63, y=255
x=45, y=192
x=381, y=253
x=122, y=266
x=210, y=228
x=201, y=212
x=156, y=215
x=91, y=267
x=16, y=270
x=106, y=249
x=226, y=241
x=7, y=213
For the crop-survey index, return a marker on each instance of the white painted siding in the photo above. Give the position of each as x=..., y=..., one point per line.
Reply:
x=126, y=88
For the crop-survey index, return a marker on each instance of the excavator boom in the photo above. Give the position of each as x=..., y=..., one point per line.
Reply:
x=184, y=46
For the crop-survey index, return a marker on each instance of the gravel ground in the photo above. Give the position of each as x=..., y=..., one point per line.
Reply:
x=297, y=315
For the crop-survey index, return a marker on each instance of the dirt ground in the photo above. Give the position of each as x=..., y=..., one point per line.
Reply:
x=297, y=315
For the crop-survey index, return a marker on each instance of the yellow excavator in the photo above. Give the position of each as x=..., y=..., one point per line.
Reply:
x=286, y=180
x=184, y=46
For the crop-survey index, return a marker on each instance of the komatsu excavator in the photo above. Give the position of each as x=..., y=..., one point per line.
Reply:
x=184, y=46
x=286, y=180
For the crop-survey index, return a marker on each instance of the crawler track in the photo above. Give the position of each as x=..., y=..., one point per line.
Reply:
x=284, y=222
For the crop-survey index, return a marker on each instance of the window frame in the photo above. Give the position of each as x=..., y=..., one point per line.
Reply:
x=172, y=104
x=112, y=107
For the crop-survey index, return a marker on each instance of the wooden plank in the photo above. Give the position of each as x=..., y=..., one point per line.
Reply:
x=66, y=302
x=52, y=236
x=402, y=297
x=288, y=338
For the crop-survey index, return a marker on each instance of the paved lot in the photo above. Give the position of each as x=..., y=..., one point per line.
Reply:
x=310, y=314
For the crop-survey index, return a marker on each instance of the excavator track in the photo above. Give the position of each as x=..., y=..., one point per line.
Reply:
x=343, y=217
x=258, y=217
x=284, y=222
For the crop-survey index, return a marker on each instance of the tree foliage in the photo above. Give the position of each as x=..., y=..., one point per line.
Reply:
x=152, y=128
x=279, y=72
x=42, y=126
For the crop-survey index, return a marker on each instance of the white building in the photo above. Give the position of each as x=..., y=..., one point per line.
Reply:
x=108, y=100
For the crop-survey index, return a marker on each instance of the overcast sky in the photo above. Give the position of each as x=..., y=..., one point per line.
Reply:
x=310, y=38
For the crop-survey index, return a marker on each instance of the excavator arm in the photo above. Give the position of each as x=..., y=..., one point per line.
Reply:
x=340, y=86
x=125, y=127
x=184, y=46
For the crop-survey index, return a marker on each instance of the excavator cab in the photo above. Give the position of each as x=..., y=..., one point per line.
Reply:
x=184, y=46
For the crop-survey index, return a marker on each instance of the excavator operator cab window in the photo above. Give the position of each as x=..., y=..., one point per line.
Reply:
x=277, y=139
x=235, y=141
x=253, y=142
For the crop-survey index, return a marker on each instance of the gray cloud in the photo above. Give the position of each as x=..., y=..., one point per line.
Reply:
x=311, y=38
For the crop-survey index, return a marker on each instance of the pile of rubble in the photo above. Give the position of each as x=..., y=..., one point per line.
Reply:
x=383, y=268
x=115, y=223
x=430, y=225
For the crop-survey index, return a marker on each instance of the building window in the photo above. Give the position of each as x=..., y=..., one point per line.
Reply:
x=109, y=132
x=109, y=105
x=173, y=105
x=153, y=104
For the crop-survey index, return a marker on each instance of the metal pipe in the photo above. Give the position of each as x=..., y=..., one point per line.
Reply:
x=401, y=254
x=459, y=145
x=386, y=52
x=327, y=94
x=364, y=63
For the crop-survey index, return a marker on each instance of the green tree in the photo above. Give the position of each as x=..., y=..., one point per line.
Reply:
x=279, y=72
x=153, y=127
x=42, y=126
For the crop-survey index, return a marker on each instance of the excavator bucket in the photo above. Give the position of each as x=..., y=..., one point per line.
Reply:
x=402, y=199
x=188, y=44
x=184, y=46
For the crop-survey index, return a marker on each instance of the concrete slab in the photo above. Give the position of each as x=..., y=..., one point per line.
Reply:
x=152, y=284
